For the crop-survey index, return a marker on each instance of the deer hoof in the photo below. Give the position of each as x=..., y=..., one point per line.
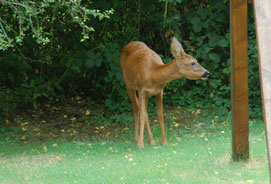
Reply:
x=164, y=142
x=140, y=145
x=151, y=142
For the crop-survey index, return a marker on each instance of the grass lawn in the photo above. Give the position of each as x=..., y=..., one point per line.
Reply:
x=192, y=156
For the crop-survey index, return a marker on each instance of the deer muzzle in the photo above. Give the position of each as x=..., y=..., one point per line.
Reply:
x=205, y=75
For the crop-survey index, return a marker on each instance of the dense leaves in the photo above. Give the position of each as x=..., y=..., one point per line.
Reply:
x=52, y=49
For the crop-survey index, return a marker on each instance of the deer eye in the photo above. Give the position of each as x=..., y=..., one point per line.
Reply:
x=193, y=63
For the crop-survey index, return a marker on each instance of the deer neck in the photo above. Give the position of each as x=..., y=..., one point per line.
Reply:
x=167, y=73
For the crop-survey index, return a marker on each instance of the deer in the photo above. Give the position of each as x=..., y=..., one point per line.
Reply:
x=145, y=75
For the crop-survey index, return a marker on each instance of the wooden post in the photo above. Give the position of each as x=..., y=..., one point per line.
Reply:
x=262, y=15
x=239, y=79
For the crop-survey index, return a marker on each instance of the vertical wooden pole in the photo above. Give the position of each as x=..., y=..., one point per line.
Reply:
x=262, y=14
x=239, y=79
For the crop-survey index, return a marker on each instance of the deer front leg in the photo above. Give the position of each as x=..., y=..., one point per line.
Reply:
x=143, y=117
x=160, y=114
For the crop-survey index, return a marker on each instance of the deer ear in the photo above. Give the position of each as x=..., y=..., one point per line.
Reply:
x=176, y=48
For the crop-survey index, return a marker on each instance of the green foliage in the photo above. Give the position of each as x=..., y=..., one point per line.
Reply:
x=36, y=18
x=57, y=49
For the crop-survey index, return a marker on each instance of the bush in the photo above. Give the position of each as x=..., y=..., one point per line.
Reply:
x=53, y=50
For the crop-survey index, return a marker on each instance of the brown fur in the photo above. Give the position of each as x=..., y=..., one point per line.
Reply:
x=144, y=71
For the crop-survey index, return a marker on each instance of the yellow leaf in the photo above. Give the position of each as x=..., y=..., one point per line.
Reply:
x=78, y=98
x=37, y=71
x=176, y=125
x=101, y=127
x=87, y=113
x=202, y=134
x=250, y=181
x=197, y=111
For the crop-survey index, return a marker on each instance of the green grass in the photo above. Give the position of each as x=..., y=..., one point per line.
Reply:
x=189, y=158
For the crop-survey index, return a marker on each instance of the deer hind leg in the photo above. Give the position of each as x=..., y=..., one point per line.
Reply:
x=160, y=114
x=143, y=116
x=147, y=125
x=132, y=95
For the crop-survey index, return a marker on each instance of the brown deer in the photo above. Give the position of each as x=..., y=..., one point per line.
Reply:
x=144, y=71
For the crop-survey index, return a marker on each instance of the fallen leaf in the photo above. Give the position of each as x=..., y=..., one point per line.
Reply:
x=202, y=134
x=197, y=111
x=78, y=98
x=87, y=112
x=176, y=125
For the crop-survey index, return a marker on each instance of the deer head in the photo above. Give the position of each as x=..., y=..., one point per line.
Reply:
x=187, y=64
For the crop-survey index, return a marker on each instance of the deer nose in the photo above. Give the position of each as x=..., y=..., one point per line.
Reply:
x=206, y=74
